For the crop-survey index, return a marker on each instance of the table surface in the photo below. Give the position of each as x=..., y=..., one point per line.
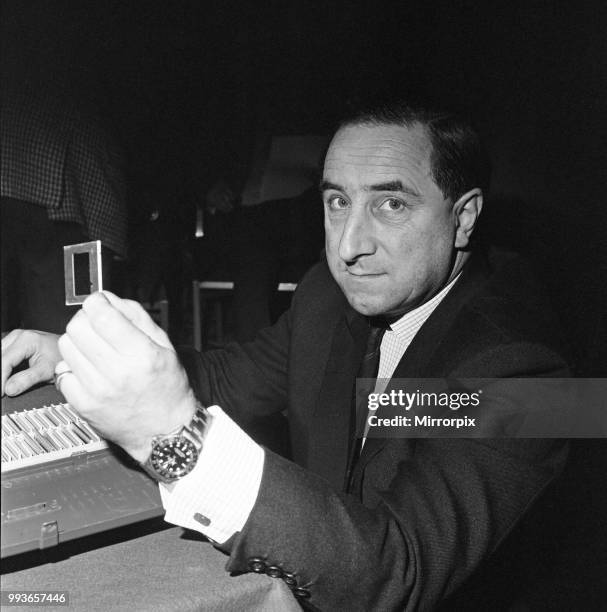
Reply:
x=172, y=569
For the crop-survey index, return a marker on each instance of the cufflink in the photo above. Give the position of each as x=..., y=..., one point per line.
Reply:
x=205, y=521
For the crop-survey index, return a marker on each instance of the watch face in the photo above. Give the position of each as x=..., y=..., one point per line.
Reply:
x=174, y=458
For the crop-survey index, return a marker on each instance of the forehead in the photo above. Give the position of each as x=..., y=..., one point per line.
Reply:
x=365, y=154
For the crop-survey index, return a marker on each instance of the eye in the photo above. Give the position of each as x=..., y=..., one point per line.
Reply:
x=392, y=205
x=337, y=203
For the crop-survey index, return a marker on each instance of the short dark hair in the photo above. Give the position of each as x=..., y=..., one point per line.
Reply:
x=459, y=161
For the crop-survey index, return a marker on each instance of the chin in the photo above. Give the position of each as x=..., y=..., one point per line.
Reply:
x=366, y=305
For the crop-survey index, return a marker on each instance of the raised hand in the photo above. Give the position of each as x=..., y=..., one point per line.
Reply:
x=124, y=376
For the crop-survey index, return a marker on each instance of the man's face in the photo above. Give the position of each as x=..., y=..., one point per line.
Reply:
x=390, y=232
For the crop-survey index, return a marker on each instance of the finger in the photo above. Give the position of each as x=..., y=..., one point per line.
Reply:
x=89, y=343
x=22, y=381
x=132, y=310
x=28, y=345
x=61, y=368
x=114, y=327
x=140, y=318
x=12, y=356
x=75, y=393
x=10, y=338
x=89, y=376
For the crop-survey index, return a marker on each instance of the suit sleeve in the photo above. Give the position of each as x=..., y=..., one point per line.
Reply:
x=248, y=381
x=445, y=512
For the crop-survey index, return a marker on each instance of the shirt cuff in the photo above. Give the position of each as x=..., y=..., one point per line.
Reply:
x=217, y=496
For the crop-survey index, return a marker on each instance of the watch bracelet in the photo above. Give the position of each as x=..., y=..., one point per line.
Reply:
x=198, y=425
x=195, y=431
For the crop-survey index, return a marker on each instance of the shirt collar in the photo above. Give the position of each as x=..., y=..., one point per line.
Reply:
x=409, y=324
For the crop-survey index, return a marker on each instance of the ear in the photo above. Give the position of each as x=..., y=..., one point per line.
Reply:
x=465, y=212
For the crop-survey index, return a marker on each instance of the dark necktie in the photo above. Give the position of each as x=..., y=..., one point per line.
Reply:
x=369, y=367
x=370, y=363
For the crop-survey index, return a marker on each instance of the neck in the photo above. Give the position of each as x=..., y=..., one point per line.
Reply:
x=460, y=259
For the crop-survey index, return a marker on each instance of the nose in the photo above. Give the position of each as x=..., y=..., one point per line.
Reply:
x=357, y=237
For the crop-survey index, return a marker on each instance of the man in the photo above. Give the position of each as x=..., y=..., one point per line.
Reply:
x=403, y=523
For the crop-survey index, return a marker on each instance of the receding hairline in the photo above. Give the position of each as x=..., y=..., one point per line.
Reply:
x=364, y=123
x=371, y=123
x=380, y=124
x=417, y=116
x=457, y=156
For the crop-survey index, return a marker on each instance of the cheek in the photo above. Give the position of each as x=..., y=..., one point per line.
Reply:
x=404, y=253
x=332, y=238
x=431, y=261
x=418, y=255
x=431, y=239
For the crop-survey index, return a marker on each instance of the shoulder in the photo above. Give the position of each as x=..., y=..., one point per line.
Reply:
x=318, y=292
x=507, y=327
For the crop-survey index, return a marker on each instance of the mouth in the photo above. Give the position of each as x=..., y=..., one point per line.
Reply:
x=363, y=275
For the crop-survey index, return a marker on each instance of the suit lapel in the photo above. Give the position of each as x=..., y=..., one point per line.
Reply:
x=333, y=424
x=414, y=363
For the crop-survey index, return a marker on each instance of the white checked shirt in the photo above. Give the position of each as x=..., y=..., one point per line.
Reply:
x=217, y=497
x=400, y=334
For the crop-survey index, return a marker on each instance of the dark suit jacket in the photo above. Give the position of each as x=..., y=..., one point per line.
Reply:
x=421, y=514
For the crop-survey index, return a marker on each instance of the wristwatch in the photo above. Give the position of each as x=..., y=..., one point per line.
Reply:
x=175, y=454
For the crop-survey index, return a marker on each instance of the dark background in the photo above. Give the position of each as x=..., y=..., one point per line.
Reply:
x=188, y=84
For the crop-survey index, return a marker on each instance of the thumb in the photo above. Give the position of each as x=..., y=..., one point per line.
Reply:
x=40, y=371
x=137, y=315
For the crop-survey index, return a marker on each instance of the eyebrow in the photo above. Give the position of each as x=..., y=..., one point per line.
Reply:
x=326, y=185
x=388, y=186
